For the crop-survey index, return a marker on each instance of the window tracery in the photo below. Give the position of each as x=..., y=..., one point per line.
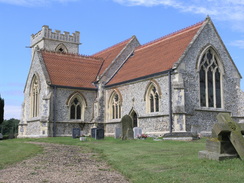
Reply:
x=77, y=104
x=153, y=99
x=115, y=106
x=210, y=78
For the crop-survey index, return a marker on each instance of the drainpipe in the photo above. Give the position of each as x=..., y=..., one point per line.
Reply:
x=170, y=102
x=54, y=111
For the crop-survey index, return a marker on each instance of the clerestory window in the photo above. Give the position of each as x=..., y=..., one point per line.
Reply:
x=210, y=78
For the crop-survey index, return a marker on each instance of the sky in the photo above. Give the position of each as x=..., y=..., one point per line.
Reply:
x=103, y=23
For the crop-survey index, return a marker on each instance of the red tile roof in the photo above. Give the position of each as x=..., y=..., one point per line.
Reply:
x=110, y=54
x=157, y=56
x=71, y=70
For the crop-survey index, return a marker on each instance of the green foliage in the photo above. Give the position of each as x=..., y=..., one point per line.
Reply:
x=1, y=110
x=13, y=151
x=160, y=161
x=10, y=128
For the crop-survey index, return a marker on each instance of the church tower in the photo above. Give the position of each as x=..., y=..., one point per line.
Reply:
x=55, y=41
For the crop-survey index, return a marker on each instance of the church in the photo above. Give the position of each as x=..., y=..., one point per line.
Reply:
x=177, y=83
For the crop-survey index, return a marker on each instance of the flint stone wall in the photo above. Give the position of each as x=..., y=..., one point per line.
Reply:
x=202, y=119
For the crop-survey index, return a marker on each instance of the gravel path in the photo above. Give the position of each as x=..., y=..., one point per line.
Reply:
x=60, y=164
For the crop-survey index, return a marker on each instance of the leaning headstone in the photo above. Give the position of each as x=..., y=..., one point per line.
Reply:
x=137, y=132
x=1, y=136
x=226, y=141
x=127, y=131
x=76, y=132
x=118, y=133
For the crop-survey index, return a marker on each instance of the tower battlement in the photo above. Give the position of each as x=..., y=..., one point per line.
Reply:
x=46, y=33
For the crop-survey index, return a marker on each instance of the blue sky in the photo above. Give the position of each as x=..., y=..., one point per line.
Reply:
x=103, y=23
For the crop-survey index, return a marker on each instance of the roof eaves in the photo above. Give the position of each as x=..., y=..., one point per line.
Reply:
x=72, y=87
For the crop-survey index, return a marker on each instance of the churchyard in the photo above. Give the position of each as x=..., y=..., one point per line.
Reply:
x=141, y=160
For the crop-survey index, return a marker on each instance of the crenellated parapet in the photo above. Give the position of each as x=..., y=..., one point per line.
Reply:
x=47, y=33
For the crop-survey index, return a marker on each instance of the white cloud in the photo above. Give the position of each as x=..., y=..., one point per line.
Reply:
x=34, y=2
x=11, y=111
x=227, y=10
x=238, y=43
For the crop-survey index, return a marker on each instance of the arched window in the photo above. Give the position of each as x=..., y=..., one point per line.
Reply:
x=35, y=90
x=115, y=106
x=152, y=99
x=75, y=109
x=210, y=78
x=77, y=106
x=61, y=48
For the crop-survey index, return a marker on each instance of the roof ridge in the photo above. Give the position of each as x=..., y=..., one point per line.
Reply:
x=170, y=35
x=113, y=46
x=73, y=54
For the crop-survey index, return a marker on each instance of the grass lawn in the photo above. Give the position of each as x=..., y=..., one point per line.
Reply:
x=12, y=151
x=148, y=161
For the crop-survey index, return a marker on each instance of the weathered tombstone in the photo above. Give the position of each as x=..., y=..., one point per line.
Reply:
x=1, y=136
x=99, y=134
x=127, y=131
x=93, y=133
x=118, y=133
x=137, y=132
x=227, y=140
x=76, y=132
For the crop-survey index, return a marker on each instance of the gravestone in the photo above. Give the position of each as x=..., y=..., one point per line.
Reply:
x=93, y=133
x=76, y=132
x=127, y=128
x=1, y=136
x=99, y=133
x=226, y=141
x=118, y=133
x=137, y=132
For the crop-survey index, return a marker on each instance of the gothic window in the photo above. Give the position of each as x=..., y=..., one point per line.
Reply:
x=153, y=99
x=210, y=77
x=35, y=96
x=61, y=48
x=76, y=105
x=115, y=106
x=75, y=109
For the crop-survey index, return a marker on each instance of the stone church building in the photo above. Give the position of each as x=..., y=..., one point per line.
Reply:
x=178, y=83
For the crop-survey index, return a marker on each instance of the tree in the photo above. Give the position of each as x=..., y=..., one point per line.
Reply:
x=10, y=128
x=1, y=110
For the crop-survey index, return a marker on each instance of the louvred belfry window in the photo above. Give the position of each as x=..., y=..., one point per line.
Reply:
x=210, y=78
